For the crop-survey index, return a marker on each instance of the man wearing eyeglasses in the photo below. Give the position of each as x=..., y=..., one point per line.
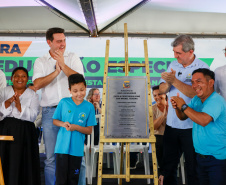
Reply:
x=220, y=84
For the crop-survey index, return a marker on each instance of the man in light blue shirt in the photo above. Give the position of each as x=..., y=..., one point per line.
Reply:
x=220, y=85
x=178, y=134
x=207, y=110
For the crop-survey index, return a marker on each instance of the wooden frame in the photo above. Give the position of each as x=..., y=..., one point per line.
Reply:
x=126, y=67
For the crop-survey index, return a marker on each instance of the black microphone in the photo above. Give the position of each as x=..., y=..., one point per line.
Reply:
x=179, y=73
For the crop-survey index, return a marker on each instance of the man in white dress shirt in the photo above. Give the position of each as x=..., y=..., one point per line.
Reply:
x=51, y=76
x=220, y=83
x=2, y=79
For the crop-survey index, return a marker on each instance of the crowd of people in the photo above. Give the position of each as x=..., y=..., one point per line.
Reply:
x=189, y=118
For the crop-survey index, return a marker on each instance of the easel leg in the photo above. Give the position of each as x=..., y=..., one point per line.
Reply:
x=100, y=165
x=154, y=163
x=121, y=163
x=1, y=174
x=127, y=162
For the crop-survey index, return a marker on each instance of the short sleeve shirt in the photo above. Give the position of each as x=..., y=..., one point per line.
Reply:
x=58, y=88
x=211, y=139
x=184, y=74
x=72, y=142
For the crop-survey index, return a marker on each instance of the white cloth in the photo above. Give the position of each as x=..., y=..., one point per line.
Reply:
x=2, y=79
x=29, y=105
x=38, y=121
x=58, y=88
x=220, y=83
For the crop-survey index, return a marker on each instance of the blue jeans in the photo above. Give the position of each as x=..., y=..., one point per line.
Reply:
x=211, y=171
x=82, y=175
x=50, y=132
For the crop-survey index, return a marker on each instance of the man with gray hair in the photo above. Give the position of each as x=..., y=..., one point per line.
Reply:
x=178, y=134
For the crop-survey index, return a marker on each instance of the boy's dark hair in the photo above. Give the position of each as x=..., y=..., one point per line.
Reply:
x=51, y=31
x=20, y=68
x=75, y=79
x=155, y=88
x=205, y=72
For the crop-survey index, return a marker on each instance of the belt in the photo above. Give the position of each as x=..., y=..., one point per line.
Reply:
x=55, y=106
x=205, y=156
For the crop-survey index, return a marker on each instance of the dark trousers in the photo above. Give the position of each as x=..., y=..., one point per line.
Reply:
x=159, y=152
x=211, y=171
x=20, y=158
x=176, y=142
x=67, y=169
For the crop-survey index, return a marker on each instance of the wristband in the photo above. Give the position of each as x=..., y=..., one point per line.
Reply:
x=184, y=107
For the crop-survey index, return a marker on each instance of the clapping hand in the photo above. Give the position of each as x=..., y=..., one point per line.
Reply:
x=169, y=77
x=177, y=101
x=165, y=111
x=59, y=57
x=10, y=100
x=58, y=69
x=16, y=99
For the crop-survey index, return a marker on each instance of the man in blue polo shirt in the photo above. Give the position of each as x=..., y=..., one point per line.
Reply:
x=178, y=134
x=207, y=110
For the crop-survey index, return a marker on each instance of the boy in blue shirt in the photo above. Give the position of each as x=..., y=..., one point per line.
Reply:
x=75, y=117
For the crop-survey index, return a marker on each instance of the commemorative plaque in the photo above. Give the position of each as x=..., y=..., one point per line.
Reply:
x=127, y=114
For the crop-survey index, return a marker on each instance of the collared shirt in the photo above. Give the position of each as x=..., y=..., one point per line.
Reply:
x=184, y=74
x=2, y=79
x=211, y=139
x=72, y=142
x=58, y=88
x=29, y=105
x=220, y=83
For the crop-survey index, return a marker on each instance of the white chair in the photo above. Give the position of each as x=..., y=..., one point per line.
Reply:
x=87, y=159
x=42, y=145
x=134, y=147
x=181, y=165
x=108, y=148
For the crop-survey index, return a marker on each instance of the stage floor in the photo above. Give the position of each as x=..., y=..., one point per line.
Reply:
x=138, y=170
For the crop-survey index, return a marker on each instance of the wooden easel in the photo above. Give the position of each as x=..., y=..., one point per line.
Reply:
x=3, y=138
x=126, y=67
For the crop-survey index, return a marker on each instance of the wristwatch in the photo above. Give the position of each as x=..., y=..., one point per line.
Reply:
x=183, y=107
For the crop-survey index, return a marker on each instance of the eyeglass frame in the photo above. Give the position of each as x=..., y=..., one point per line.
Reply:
x=96, y=94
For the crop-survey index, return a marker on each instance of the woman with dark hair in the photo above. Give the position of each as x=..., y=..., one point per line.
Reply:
x=19, y=107
x=160, y=110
